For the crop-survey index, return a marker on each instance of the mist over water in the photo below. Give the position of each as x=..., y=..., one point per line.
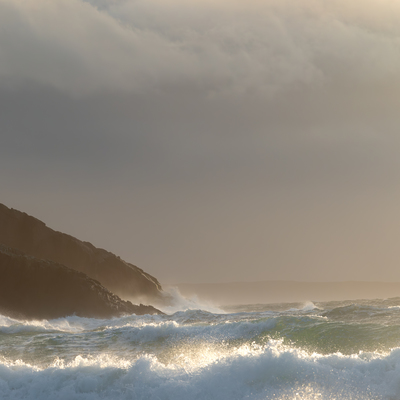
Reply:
x=332, y=350
x=210, y=141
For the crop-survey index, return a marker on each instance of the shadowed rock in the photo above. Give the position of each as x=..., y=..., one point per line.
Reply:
x=35, y=289
x=23, y=232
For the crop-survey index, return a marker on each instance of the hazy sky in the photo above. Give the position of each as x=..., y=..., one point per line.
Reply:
x=209, y=141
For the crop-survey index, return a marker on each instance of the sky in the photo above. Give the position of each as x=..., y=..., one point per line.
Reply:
x=209, y=141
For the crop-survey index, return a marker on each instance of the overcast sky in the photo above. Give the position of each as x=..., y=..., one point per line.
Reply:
x=209, y=141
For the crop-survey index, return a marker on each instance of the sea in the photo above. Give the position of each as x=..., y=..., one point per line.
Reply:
x=314, y=350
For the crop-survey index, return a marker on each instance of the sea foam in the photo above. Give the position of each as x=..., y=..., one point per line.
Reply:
x=268, y=372
x=315, y=351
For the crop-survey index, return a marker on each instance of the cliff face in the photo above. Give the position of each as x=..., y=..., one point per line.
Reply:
x=34, y=288
x=30, y=235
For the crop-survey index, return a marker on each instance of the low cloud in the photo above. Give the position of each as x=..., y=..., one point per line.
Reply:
x=222, y=48
x=256, y=132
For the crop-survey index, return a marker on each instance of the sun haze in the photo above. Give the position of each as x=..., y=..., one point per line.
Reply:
x=209, y=142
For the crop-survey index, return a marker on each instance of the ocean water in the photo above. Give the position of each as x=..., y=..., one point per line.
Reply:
x=335, y=350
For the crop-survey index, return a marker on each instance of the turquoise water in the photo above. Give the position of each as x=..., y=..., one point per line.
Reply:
x=335, y=350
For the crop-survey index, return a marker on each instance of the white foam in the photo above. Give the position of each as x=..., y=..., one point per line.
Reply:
x=268, y=372
x=307, y=306
x=188, y=355
x=171, y=331
x=71, y=324
x=181, y=303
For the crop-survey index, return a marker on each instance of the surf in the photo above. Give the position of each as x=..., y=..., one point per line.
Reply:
x=336, y=350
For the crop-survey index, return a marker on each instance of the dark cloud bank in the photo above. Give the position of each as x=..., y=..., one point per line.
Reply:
x=208, y=142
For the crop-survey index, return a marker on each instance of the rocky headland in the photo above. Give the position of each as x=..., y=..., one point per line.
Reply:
x=21, y=231
x=33, y=288
x=49, y=274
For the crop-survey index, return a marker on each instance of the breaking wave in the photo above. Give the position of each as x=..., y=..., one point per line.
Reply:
x=312, y=351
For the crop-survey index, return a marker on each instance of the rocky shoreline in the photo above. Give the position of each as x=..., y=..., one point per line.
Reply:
x=48, y=274
x=21, y=231
x=32, y=288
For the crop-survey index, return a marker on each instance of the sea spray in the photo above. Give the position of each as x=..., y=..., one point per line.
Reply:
x=320, y=351
x=177, y=302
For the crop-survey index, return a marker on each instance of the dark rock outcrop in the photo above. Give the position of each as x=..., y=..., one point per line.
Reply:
x=30, y=235
x=35, y=289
